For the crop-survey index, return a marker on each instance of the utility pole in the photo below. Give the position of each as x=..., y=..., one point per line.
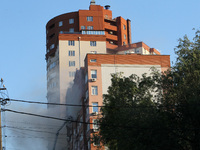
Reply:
x=0, y=128
x=2, y=102
x=57, y=134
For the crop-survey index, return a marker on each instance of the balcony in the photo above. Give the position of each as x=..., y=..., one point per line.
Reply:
x=110, y=27
x=111, y=37
x=111, y=46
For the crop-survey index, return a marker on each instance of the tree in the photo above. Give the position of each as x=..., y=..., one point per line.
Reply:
x=182, y=84
x=131, y=118
x=158, y=111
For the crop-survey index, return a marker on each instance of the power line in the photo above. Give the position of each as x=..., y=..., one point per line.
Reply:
x=30, y=123
x=31, y=127
x=31, y=130
x=35, y=102
x=75, y=105
x=48, y=117
x=33, y=137
x=67, y=120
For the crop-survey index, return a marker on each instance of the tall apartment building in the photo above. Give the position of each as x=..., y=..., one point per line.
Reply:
x=70, y=36
x=106, y=41
x=93, y=81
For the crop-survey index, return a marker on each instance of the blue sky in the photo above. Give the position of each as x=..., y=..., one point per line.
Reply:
x=158, y=23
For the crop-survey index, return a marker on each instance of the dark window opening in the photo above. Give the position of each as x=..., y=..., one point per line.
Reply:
x=52, y=26
x=51, y=36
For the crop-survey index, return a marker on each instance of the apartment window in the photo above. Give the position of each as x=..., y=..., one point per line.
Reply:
x=93, y=43
x=90, y=27
x=81, y=137
x=60, y=23
x=89, y=18
x=52, y=46
x=95, y=107
x=82, y=27
x=124, y=27
x=89, y=144
x=95, y=124
x=52, y=26
x=88, y=127
x=52, y=85
x=71, y=63
x=72, y=74
x=71, y=21
x=125, y=36
x=94, y=90
x=94, y=32
x=86, y=94
x=87, y=111
x=61, y=32
x=93, y=74
x=51, y=36
x=71, y=29
x=93, y=60
x=51, y=66
x=86, y=78
x=124, y=43
x=137, y=51
x=71, y=53
x=71, y=43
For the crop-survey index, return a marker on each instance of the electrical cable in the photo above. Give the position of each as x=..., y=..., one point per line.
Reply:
x=75, y=105
x=61, y=119
x=48, y=117
x=32, y=127
x=30, y=123
x=31, y=130
x=51, y=103
x=33, y=137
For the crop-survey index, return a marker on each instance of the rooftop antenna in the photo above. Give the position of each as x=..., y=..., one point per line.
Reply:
x=92, y=2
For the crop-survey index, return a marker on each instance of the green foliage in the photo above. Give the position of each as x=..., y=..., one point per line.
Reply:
x=183, y=92
x=131, y=117
x=158, y=111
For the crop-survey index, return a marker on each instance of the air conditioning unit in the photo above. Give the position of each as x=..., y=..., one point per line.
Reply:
x=94, y=113
x=93, y=79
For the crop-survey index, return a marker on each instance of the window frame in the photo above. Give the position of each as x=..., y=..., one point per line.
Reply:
x=72, y=63
x=82, y=27
x=95, y=108
x=90, y=18
x=71, y=21
x=60, y=23
x=71, y=30
x=71, y=43
x=94, y=90
x=93, y=43
x=93, y=72
x=125, y=36
x=71, y=53
x=90, y=27
x=72, y=73
x=93, y=60
x=124, y=27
